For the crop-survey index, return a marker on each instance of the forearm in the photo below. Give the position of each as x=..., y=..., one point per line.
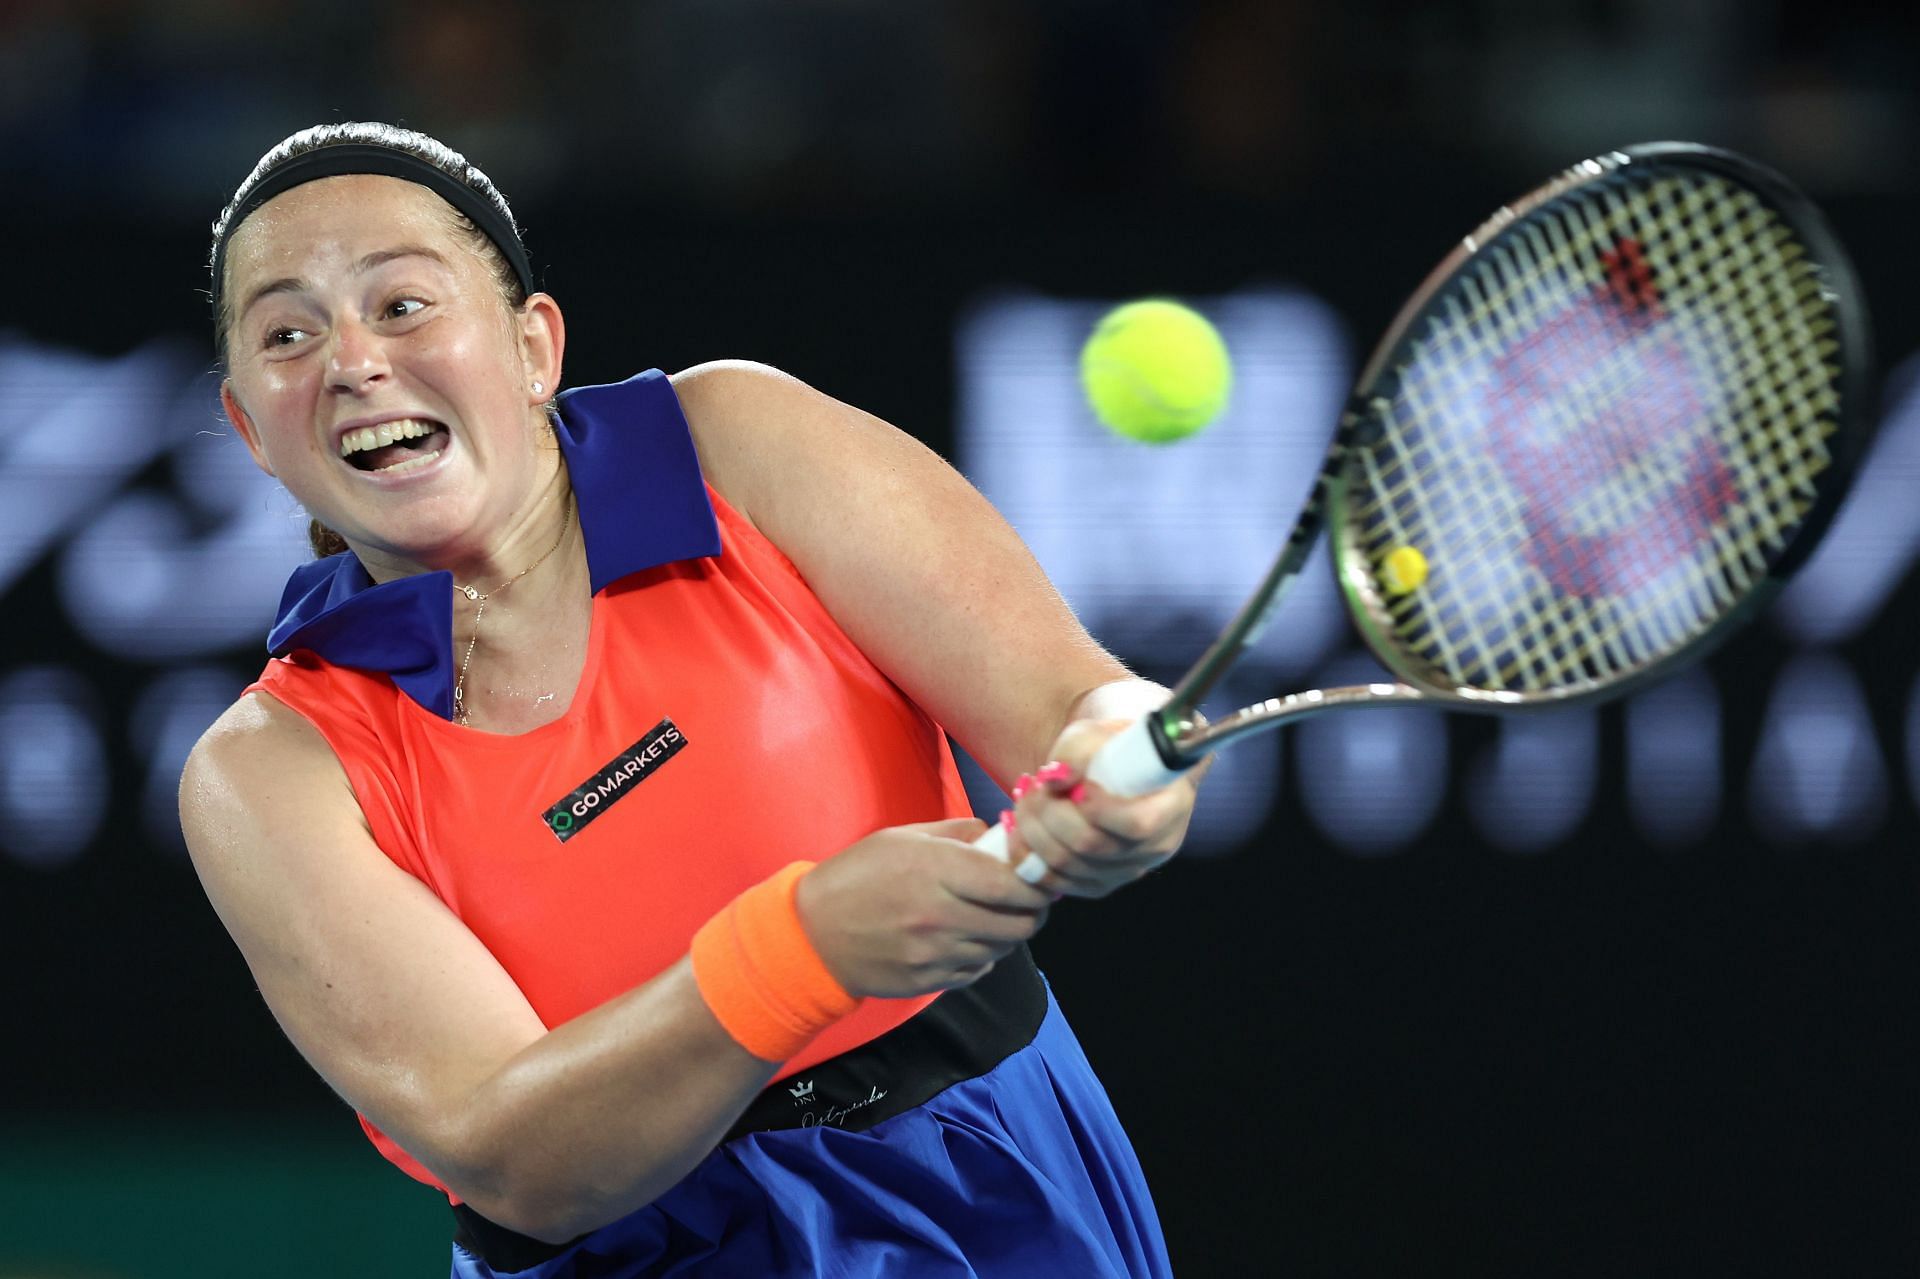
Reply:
x=600, y=1116
x=1115, y=695
x=603, y=1114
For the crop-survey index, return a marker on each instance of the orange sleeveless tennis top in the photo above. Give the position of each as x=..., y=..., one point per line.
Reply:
x=723, y=726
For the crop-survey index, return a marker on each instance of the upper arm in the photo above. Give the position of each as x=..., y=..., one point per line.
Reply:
x=915, y=565
x=383, y=990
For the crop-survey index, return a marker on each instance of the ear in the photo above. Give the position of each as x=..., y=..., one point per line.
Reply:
x=243, y=425
x=543, y=344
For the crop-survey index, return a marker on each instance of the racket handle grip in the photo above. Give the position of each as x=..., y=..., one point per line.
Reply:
x=1129, y=764
x=993, y=843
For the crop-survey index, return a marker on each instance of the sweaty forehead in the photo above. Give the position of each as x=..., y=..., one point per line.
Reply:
x=344, y=217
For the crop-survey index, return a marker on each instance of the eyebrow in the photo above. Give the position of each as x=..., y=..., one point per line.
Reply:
x=379, y=257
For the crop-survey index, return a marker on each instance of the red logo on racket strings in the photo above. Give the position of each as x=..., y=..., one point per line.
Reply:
x=1594, y=393
x=1630, y=281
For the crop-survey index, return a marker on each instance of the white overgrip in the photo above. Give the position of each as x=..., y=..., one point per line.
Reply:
x=1129, y=764
x=994, y=842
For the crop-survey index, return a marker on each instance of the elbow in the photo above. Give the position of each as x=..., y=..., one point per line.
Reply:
x=555, y=1205
x=554, y=1165
x=499, y=1179
x=532, y=1203
x=533, y=1192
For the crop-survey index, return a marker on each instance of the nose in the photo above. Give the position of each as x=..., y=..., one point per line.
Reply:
x=358, y=361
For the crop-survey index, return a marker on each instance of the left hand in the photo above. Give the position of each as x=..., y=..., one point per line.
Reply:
x=1097, y=842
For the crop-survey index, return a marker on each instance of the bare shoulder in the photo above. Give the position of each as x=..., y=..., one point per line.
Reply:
x=257, y=721
x=260, y=767
x=734, y=409
x=722, y=394
x=257, y=742
x=913, y=563
x=765, y=438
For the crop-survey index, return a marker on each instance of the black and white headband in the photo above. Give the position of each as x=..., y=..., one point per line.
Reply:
x=340, y=159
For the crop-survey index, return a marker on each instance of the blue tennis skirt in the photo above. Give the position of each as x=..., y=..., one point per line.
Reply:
x=1023, y=1170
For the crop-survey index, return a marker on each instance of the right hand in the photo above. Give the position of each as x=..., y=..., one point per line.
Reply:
x=914, y=909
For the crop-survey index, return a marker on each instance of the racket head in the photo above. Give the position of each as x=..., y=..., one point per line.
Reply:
x=1611, y=423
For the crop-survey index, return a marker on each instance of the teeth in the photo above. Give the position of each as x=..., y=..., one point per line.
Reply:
x=375, y=437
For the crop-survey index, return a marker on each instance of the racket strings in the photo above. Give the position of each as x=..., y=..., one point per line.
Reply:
x=1561, y=630
x=1612, y=421
x=1662, y=606
x=1680, y=607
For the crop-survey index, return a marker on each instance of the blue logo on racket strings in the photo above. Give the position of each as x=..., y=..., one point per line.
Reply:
x=619, y=775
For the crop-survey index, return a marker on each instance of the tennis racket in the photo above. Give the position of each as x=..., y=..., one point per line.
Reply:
x=1599, y=436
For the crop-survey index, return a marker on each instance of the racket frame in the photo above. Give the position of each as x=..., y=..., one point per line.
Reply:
x=1181, y=737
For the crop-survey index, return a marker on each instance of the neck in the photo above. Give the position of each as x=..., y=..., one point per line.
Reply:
x=528, y=641
x=476, y=589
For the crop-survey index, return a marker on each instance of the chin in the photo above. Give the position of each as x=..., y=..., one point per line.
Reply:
x=428, y=539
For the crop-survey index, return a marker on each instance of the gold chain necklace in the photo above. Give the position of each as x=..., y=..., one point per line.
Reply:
x=461, y=714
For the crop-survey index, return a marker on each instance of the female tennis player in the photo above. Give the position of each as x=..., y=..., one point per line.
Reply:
x=593, y=830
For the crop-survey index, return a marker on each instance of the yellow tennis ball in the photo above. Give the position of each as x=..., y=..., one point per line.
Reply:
x=1156, y=371
x=1403, y=569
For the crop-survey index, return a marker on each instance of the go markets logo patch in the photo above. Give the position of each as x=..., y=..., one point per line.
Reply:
x=621, y=774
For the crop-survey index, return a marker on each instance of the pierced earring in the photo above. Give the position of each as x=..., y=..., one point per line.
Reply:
x=539, y=388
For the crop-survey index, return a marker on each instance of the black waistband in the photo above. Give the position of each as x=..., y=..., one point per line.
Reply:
x=961, y=1035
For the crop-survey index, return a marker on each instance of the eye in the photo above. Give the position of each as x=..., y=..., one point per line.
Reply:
x=282, y=336
x=401, y=308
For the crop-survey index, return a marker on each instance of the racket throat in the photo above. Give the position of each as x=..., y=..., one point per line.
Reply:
x=1280, y=711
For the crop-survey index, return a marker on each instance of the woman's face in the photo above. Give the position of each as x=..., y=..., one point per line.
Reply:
x=377, y=371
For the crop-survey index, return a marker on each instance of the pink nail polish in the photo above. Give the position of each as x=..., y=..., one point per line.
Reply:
x=1078, y=793
x=1006, y=820
x=1025, y=784
x=1053, y=772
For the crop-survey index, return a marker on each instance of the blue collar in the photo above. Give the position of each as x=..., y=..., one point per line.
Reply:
x=642, y=503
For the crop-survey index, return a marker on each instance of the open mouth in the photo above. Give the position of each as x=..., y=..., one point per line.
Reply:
x=393, y=446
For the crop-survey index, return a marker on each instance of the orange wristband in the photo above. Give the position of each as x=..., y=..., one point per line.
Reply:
x=761, y=976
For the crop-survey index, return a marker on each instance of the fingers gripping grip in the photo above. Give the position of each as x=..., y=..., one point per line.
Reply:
x=1129, y=764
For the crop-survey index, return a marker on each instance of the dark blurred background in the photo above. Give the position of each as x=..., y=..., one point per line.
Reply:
x=1628, y=992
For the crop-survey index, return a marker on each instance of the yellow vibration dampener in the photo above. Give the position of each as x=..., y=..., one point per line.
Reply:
x=1403, y=569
